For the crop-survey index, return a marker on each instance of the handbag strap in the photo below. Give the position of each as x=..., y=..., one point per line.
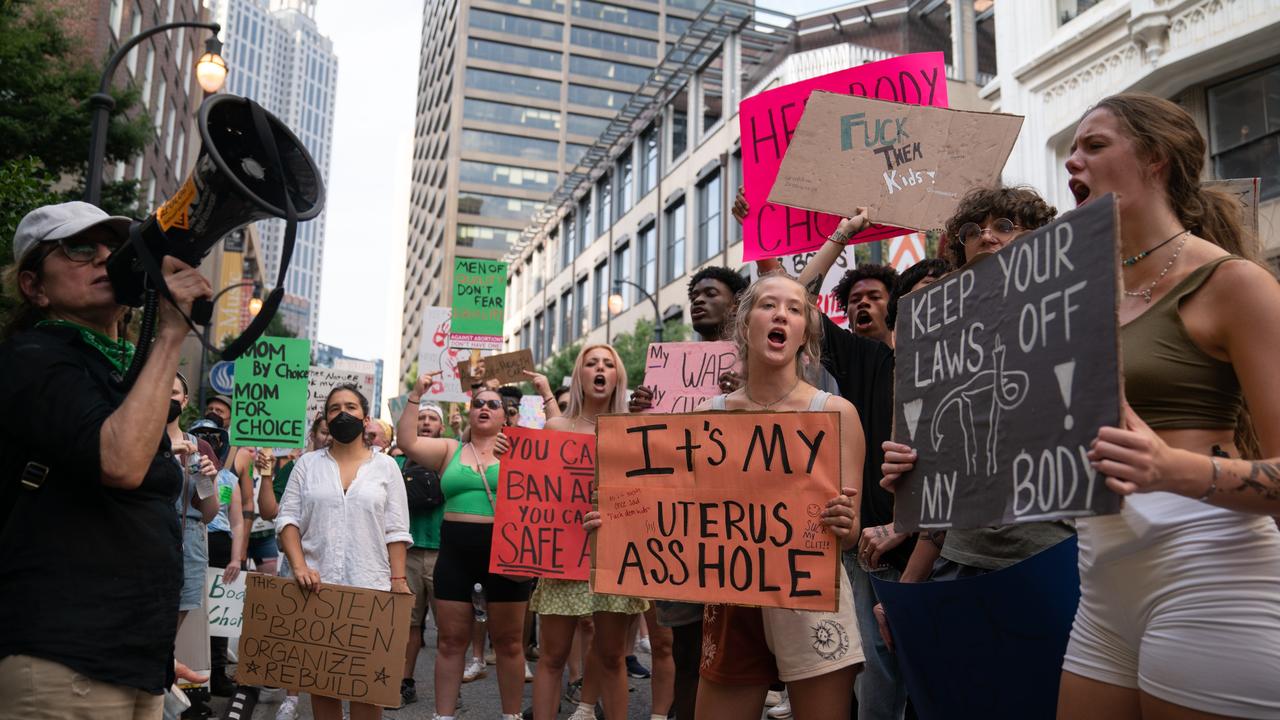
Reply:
x=484, y=476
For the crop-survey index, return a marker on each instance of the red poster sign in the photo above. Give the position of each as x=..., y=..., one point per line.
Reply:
x=543, y=491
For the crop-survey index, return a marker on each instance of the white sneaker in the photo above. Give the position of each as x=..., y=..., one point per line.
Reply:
x=528, y=674
x=773, y=698
x=582, y=713
x=288, y=709
x=781, y=710
x=644, y=645
x=475, y=670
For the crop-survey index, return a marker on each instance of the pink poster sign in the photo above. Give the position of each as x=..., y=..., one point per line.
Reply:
x=683, y=374
x=769, y=119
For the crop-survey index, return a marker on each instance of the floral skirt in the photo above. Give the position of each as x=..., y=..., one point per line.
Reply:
x=575, y=599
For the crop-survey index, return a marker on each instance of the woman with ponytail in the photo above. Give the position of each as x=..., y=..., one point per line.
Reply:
x=344, y=519
x=1179, y=614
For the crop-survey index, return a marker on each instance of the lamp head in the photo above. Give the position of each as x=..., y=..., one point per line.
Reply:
x=211, y=69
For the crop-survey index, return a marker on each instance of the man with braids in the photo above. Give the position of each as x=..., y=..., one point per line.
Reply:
x=713, y=298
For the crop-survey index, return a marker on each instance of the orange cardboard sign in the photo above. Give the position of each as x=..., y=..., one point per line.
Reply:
x=718, y=507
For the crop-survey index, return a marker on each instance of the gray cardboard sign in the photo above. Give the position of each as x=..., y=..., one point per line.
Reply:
x=1006, y=369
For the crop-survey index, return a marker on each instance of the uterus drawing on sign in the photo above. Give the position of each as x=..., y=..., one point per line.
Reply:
x=1000, y=390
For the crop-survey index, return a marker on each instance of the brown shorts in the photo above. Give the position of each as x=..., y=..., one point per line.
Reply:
x=420, y=566
x=761, y=646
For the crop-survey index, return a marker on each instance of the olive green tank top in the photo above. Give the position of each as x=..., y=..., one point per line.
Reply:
x=1170, y=382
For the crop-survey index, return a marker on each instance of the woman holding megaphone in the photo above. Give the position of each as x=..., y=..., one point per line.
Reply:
x=86, y=464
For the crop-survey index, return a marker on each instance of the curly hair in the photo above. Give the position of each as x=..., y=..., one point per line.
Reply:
x=866, y=271
x=810, y=353
x=929, y=267
x=732, y=280
x=1020, y=204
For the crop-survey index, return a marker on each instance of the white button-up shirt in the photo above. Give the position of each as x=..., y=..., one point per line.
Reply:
x=345, y=535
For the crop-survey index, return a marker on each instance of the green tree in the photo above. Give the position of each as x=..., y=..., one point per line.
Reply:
x=46, y=79
x=557, y=367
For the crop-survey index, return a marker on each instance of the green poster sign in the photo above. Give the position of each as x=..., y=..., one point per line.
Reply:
x=479, y=294
x=269, y=406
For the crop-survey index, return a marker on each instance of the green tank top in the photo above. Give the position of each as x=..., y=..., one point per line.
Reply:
x=463, y=487
x=1169, y=381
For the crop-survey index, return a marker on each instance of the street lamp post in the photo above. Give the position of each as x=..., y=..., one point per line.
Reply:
x=211, y=71
x=615, y=304
x=204, y=349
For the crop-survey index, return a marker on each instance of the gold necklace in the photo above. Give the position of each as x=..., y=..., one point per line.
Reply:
x=766, y=406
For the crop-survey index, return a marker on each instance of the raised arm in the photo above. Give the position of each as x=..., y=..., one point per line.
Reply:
x=431, y=453
x=817, y=268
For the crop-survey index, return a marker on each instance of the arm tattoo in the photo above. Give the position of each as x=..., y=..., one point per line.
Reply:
x=1263, y=480
x=815, y=286
x=937, y=537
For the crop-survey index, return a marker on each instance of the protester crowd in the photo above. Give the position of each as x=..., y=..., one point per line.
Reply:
x=1178, y=615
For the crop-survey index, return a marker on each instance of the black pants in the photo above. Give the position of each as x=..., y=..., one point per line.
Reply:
x=219, y=556
x=686, y=651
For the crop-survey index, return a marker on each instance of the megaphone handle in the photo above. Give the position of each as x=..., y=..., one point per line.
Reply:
x=201, y=312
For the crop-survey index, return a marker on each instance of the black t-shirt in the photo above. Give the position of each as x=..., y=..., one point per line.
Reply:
x=89, y=575
x=863, y=370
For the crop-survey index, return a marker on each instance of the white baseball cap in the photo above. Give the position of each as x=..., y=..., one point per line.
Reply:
x=431, y=407
x=61, y=221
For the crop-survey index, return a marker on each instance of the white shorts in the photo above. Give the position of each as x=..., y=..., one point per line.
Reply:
x=1189, y=614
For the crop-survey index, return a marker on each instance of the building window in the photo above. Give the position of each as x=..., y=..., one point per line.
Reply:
x=570, y=241
x=679, y=124
x=1069, y=9
x=526, y=148
x=584, y=223
x=523, y=27
x=735, y=181
x=1244, y=122
x=471, y=171
x=648, y=160
x=486, y=111
x=514, y=84
x=567, y=335
x=647, y=259
x=552, y=5
x=709, y=207
x=600, y=279
x=580, y=326
x=622, y=271
x=549, y=337
x=148, y=69
x=487, y=238
x=613, y=42
x=596, y=97
x=587, y=125
x=135, y=27
x=626, y=182
x=608, y=70
x=116, y=11
x=630, y=17
x=676, y=26
x=573, y=152
x=524, y=337
x=514, y=54
x=496, y=206
x=674, y=250
x=604, y=212
x=711, y=85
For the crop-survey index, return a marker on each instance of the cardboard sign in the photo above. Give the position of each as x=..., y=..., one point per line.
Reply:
x=271, y=393
x=225, y=603
x=505, y=368
x=543, y=492
x=479, y=294
x=532, y=413
x=683, y=374
x=989, y=646
x=909, y=165
x=337, y=641
x=1006, y=369
x=1246, y=191
x=436, y=354
x=718, y=507
x=322, y=380
x=768, y=121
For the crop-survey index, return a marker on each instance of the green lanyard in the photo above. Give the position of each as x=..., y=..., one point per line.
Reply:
x=118, y=352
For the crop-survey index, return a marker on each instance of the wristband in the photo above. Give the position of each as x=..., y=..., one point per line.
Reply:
x=414, y=400
x=248, y=514
x=838, y=238
x=548, y=399
x=1213, y=481
x=399, y=578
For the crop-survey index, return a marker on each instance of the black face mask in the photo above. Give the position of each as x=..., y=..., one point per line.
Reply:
x=216, y=418
x=175, y=409
x=346, y=427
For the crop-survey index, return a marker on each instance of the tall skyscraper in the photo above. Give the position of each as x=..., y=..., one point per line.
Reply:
x=278, y=58
x=511, y=93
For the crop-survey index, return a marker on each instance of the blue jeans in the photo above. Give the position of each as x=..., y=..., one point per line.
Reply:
x=881, y=691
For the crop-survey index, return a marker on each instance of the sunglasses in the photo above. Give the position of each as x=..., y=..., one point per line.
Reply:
x=1000, y=226
x=81, y=250
x=477, y=404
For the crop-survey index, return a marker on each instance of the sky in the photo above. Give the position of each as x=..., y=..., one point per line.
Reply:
x=367, y=212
